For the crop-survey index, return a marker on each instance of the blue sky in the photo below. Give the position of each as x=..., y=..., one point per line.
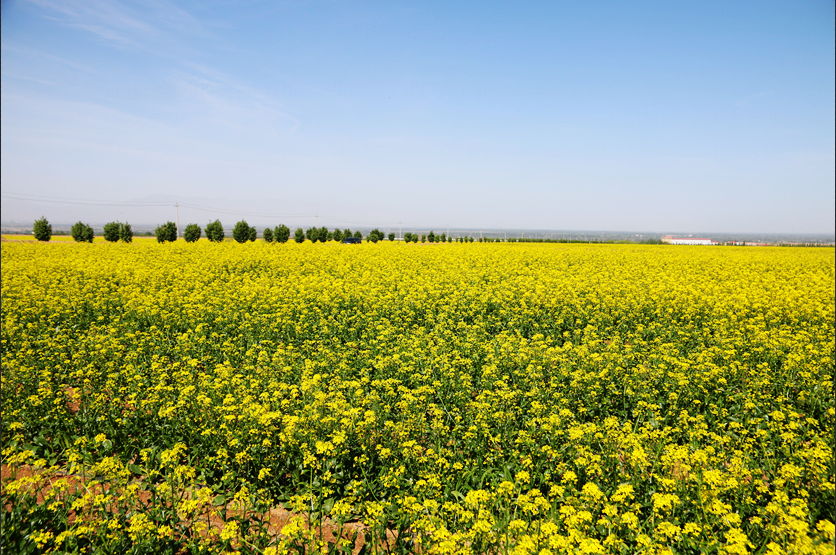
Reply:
x=645, y=116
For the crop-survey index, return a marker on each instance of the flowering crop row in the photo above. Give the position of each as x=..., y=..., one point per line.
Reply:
x=467, y=398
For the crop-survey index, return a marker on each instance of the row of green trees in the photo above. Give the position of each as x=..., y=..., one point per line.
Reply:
x=83, y=233
x=431, y=237
x=323, y=234
x=242, y=232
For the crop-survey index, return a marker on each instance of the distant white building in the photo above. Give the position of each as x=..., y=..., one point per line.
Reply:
x=687, y=240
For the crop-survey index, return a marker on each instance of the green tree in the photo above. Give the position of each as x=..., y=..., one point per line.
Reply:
x=299, y=236
x=165, y=232
x=375, y=235
x=191, y=233
x=253, y=234
x=317, y=234
x=267, y=234
x=281, y=234
x=347, y=233
x=423, y=238
x=241, y=232
x=111, y=232
x=358, y=235
x=391, y=236
x=126, y=233
x=431, y=237
x=215, y=231
x=42, y=229
x=82, y=233
x=338, y=235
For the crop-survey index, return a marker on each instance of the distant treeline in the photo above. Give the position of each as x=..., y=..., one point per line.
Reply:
x=83, y=233
x=243, y=232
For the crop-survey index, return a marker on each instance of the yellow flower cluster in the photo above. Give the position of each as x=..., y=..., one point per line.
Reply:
x=466, y=398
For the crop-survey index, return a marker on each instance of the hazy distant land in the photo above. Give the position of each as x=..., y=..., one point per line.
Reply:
x=12, y=227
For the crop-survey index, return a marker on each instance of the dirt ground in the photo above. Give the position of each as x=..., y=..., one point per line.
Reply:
x=278, y=517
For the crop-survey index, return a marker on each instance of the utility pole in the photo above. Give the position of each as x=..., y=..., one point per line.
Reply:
x=177, y=206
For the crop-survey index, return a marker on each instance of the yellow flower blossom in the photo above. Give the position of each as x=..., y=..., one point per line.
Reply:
x=479, y=398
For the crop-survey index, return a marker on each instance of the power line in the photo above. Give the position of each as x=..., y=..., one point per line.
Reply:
x=87, y=203
x=60, y=198
x=241, y=212
x=266, y=215
x=67, y=200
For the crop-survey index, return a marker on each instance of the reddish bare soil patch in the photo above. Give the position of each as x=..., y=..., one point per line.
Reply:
x=73, y=399
x=276, y=518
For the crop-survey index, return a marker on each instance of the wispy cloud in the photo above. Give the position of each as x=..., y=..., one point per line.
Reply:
x=165, y=30
x=92, y=130
x=142, y=25
x=30, y=55
x=15, y=75
x=83, y=125
x=109, y=21
x=230, y=102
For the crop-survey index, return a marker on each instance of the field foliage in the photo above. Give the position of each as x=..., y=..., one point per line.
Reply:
x=462, y=398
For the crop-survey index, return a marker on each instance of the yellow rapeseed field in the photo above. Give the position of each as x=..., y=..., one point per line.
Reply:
x=457, y=398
